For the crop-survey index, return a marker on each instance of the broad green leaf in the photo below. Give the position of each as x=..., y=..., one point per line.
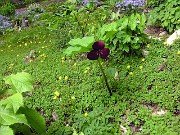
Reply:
x=20, y=82
x=72, y=49
x=126, y=48
x=135, y=46
x=82, y=42
x=7, y=117
x=108, y=27
x=133, y=22
x=13, y=102
x=35, y=120
x=6, y=130
x=123, y=23
x=111, y=72
x=75, y=50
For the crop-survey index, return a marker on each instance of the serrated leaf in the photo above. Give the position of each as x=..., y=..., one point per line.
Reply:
x=7, y=117
x=126, y=48
x=6, y=130
x=35, y=120
x=13, y=102
x=124, y=23
x=133, y=22
x=20, y=82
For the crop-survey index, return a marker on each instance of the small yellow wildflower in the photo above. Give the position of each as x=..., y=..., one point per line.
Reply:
x=97, y=82
x=128, y=67
x=66, y=78
x=27, y=57
x=31, y=61
x=140, y=67
x=131, y=73
x=156, y=86
x=42, y=47
x=85, y=71
x=74, y=64
x=55, y=97
x=11, y=65
x=148, y=45
x=85, y=114
x=60, y=78
x=17, y=55
x=57, y=93
x=73, y=98
x=143, y=59
x=25, y=44
x=178, y=52
x=62, y=61
x=87, y=68
x=165, y=43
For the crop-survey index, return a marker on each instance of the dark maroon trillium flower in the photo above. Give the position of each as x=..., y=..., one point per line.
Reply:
x=98, y=50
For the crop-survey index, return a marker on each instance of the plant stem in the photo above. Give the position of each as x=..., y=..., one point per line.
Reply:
x=105, y=78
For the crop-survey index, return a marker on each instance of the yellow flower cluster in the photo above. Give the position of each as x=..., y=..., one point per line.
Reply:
x=87, y=69
x=56, y=94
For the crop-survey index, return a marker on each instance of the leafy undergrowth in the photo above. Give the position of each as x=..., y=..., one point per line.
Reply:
x=69, y=91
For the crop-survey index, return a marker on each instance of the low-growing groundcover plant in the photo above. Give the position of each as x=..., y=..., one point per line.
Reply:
x=69, y=93
x=168, y=15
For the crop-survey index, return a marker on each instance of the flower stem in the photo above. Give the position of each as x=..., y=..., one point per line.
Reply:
x=105, y=78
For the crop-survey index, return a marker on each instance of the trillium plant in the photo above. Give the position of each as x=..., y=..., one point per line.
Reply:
x=99, y=52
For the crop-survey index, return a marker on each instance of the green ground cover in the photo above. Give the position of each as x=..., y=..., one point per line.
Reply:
x=69, y=92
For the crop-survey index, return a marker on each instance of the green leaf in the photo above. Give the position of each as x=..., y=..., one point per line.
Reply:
x=135, y=46
x=132, y=22
x=126, y=48
x=71, y=50
x=21, y=82
x=13, y=102
x=124, y=23
x=111, y=72
x=84, y=42
x=7, y=117
x=6, y=130
x=34, y=119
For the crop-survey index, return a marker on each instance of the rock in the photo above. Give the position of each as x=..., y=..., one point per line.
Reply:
x=144, y=52
x=164, y=33
x=173, y=37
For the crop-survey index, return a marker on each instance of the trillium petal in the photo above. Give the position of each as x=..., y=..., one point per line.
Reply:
x=93, y=55
x=104, y=53
x=99, y=45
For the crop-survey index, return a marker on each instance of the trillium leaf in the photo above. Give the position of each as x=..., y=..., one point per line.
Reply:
x=83, y=42
x=12, y=103
x=35, y=120
x=6, y=130
x=20, y=82
x=72, y=50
